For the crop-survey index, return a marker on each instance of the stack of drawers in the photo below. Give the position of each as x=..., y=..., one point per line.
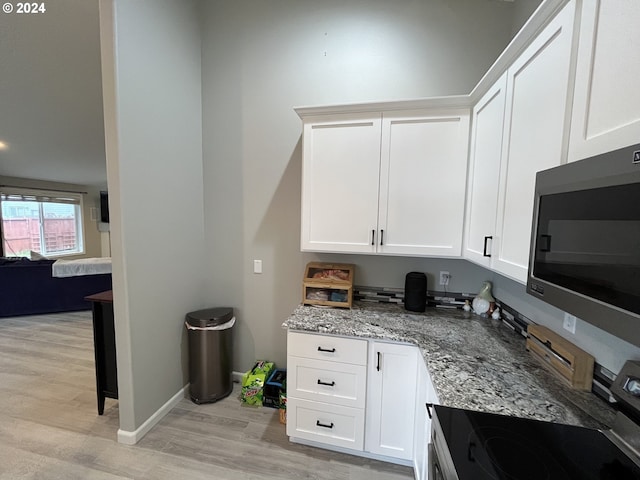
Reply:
x=326, y=388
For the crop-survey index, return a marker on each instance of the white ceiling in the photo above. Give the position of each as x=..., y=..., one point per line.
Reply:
x=51, y=94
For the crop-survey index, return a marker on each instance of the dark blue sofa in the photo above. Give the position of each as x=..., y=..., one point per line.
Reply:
x=28, y=288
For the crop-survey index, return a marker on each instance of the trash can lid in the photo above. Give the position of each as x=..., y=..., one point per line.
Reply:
x=210, y=317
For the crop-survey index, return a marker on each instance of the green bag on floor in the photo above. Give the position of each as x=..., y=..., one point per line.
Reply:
x=253, y=382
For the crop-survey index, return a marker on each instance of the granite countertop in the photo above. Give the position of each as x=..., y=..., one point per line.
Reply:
x=475, y=363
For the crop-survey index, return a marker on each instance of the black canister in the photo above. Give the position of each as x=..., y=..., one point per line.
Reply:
x=415, y=292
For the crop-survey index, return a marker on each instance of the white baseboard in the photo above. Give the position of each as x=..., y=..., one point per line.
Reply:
x=131, y=438
x=237, y=377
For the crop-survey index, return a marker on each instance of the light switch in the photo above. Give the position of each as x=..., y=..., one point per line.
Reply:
x=257, y=266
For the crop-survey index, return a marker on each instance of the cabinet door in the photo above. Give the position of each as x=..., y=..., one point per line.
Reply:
x=422, y=425
x=426, y=394
x=534, y=137
x=391, y=397
x=422, y=183
x=484, y=172
x=340, y=173
x=606, y=109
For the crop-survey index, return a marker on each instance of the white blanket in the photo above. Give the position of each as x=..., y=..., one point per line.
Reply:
x=82, y=266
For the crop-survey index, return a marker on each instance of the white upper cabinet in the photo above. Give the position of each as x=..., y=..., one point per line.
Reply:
x=422, y=183
x=606, y=110
x=484, y=172
x=536, y=119
x=340, y=173
x=391, y=177
x=387, y=183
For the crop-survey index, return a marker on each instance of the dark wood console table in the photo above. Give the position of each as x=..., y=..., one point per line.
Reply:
x=104, y=345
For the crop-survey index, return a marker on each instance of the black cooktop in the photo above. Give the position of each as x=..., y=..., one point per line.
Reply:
x=499, y=447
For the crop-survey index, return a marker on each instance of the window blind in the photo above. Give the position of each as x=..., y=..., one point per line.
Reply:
x=44, y=196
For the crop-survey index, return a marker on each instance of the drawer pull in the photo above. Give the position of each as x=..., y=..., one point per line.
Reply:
x=429, y=407
x=324, y=425
x=470, y=456
x=332, y=384
x=330, y=350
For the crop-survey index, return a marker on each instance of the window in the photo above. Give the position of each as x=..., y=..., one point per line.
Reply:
x=49, y=223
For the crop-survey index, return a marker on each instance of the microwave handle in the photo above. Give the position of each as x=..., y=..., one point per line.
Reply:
x=544, y=243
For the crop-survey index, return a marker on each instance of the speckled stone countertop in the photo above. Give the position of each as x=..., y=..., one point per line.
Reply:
x=475, y=363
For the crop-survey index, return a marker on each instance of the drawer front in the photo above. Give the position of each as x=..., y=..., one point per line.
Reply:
x=324, y=423
x=328, y=382
x=327, y=347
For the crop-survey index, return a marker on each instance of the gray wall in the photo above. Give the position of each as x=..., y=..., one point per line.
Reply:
x=153, y=122
x=522, y=10
x=260, y=59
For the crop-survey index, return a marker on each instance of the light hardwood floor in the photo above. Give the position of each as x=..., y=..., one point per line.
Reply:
x=50, y=429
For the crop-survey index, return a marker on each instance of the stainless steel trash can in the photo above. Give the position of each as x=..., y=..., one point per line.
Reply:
x=210, y=333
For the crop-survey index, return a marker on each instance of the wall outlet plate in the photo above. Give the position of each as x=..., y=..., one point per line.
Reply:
x=569, y=323
x=257, y=266
x=444, y=278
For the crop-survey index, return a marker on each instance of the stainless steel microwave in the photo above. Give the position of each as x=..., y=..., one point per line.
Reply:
x=585, y=241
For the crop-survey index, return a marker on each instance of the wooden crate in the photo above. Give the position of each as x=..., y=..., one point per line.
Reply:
x=329, y=284
x=566, y=361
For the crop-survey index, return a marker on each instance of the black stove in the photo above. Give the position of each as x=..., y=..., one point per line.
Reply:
x=486, y=446
x=471, y=445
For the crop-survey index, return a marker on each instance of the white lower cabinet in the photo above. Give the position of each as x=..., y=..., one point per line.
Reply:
x=326, y=388
x=426, y=394
x=356, y=395
x=391, y=399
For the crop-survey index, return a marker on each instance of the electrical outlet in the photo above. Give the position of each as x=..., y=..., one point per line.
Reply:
x=569, y=323
x=444, y=278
